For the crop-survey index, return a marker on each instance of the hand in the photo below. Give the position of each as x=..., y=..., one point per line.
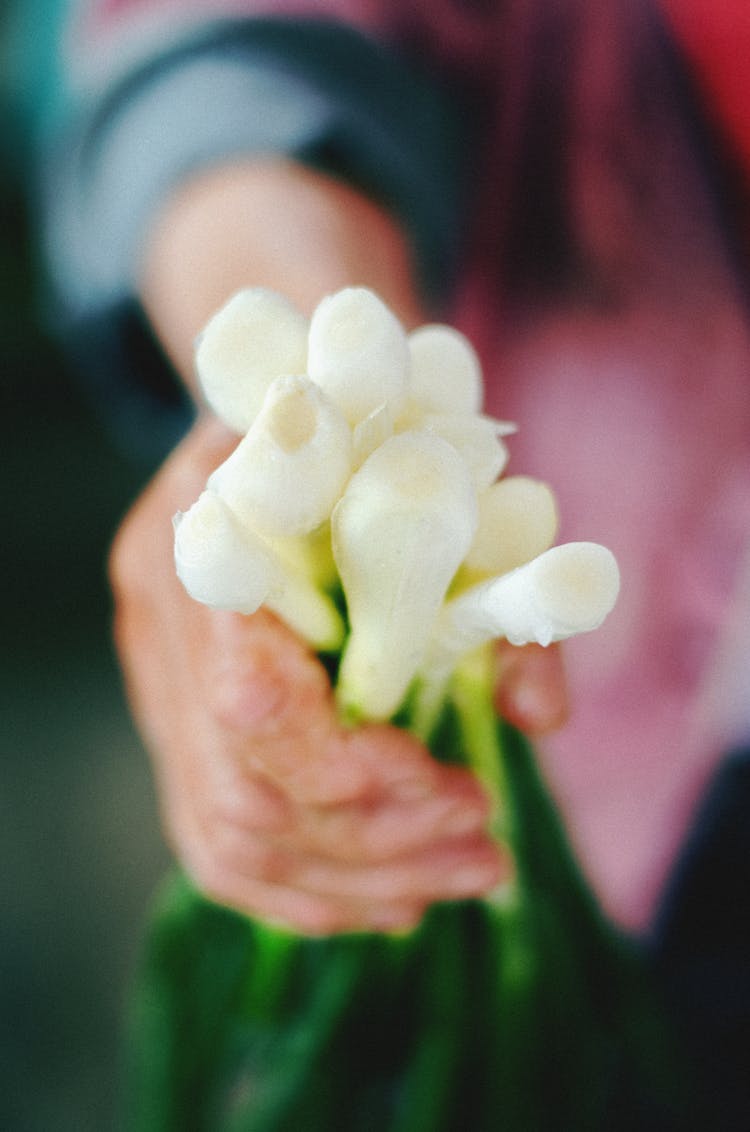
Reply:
x=271, y=805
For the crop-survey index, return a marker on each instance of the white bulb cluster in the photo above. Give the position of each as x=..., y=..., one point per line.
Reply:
x=368, y=444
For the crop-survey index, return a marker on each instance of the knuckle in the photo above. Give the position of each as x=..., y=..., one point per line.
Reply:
x=225, y=859
x=246, y=696
x=259, y=682
x=329, y=785
x=254, y=806
x=343, y=833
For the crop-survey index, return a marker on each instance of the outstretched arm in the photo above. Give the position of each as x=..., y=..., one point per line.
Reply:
x=272, y=806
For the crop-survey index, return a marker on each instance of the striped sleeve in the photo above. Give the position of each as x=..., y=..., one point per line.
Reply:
x=118, y=137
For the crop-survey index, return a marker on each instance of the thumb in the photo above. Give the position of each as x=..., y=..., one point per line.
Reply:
x=272, y=701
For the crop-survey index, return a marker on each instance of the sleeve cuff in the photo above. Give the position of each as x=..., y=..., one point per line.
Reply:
x=317, y=91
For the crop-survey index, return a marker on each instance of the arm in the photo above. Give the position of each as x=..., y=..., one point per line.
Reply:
x=271, y=805
x=267, y=223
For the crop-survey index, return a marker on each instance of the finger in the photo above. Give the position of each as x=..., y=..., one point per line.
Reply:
x=399, y=764
x=225, y=872
x=369, y=832
x=273, y=701
x=155, y=669
x=530, y=687
x=260, y=680
x=155, y=621
x=453, y=869
x=306, y=914
x=229, y=795
x=289, y=908
x=450, y=868
x=402, y=770
x=207, y=850
x=393, y=900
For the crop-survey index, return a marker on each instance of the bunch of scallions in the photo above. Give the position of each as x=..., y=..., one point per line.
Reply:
x=365, y=505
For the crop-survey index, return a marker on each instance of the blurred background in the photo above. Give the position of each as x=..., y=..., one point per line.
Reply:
x=80, y=847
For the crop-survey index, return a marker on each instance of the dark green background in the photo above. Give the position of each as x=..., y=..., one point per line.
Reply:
x=80, y=848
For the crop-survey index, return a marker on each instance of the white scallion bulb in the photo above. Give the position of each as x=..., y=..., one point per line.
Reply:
x=517, y=521
x=569, y=589
x=357, y=352
x=218, y=561
x=285, y=476
x=224, y=565
x=307, y=611
x=478, y=439
x=399, y=533
x=445, y=375
x=370, y=433
x=257, y=336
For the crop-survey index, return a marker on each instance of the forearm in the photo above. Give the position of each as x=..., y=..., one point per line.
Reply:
x=269, y=223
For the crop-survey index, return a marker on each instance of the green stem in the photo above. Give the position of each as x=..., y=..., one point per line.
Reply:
x=303, y=1043
x=471, y=692
x=425, y=709
x=430, y=1085
x=274, y=954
